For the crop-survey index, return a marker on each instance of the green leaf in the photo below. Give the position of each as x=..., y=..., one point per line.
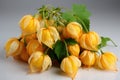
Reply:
x=70, y=41
x=104, y=41
x=60, y=50
x=52, y=54
x=82, y=15
x=68, y=16
x=81, y=11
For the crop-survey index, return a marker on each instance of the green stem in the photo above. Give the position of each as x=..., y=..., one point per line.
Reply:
x=46, y=51
x=36, y=15
x=43, y=14
x=45, y=24
x=25, y=43
x=101, y=51
x=86, y=30
x=84, y=26
x=113, y=42
x=66, y=48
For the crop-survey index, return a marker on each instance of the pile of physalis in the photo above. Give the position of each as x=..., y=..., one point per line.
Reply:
x=60, y=38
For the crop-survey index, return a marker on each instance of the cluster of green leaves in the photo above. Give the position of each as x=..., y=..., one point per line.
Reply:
x=80, y=14
x=104, y=41
x=60, y=49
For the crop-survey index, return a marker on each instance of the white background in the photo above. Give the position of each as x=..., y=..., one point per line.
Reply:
x=105, y=20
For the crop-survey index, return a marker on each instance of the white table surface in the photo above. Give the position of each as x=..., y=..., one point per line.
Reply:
x=106, y=23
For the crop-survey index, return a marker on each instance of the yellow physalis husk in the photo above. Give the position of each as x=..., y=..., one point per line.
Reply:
x=17, y=57
x=39, y=62
x=107, y=61
x=28, y=37
x=24, y=56
x=88, y=58
x=89, y=41
x=73, y=30
x=28, y=24
x=70, y=65
x=13, y=47
x=34, y=46
x=38, y=17
x=44, y=23
x=48, y=36
x=74, y=50
x=60, y=29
